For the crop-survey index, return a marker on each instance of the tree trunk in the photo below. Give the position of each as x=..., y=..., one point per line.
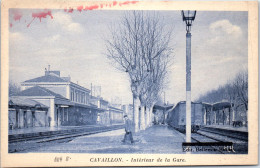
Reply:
x=151, y=115
x=142, y=118
x=147, y=117
x=136, y=114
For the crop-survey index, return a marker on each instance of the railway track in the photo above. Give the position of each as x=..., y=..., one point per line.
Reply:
x=60, y=135
x=232, y=134
x=221, y=143
x=71, y=136
x=206, y=139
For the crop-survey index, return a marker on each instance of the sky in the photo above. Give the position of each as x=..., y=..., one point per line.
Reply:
x=74, y=43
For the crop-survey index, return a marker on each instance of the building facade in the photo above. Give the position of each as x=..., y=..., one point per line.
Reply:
x=62, y=101
x=68, y=103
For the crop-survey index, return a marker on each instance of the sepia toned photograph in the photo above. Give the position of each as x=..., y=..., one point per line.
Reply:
x=121, y=84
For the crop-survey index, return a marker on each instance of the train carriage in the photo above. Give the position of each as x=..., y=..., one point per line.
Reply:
x=177, y=116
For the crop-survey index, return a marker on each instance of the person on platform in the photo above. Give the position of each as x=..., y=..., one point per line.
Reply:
x=128, y=132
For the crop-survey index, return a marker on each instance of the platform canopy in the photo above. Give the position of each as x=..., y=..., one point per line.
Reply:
x=221, y=105
x=207, y=105
x=22, y=102
x=162, y=107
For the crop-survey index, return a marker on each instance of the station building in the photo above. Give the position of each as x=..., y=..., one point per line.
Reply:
x=59, y=102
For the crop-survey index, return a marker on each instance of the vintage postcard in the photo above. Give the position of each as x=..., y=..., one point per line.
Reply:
x=129, y=83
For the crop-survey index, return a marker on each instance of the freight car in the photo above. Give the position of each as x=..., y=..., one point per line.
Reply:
x=177, y=116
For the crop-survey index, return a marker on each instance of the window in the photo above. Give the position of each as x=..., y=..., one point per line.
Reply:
x=80, y=97
x=72, y=95
x=83, y=96
x=82, y=100
x=86, y=99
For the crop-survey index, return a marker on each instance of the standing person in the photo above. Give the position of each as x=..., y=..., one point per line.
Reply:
x=128, y=131
x=49, y=121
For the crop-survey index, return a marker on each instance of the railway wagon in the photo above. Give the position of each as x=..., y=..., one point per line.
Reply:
x=177, y=116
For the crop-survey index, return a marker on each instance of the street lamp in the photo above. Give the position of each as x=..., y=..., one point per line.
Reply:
x=188, y=17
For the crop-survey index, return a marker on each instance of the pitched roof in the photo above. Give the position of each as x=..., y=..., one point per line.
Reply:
x=47, y=78
x=20, y=101
x=39, y=91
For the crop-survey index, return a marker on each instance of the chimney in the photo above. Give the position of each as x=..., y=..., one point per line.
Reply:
x=46, y=72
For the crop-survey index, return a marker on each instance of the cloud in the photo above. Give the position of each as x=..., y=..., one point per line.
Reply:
x=224, y=27
x=223, y=32
x=64, y=20
x=225, y=40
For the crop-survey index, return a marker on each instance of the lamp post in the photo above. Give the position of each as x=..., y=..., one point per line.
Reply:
x=188, y=17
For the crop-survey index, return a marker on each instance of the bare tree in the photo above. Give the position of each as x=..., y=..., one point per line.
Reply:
x=136, y=46
x=235, y=91
x=151, y=91
x=13, y=88
x=241, y=88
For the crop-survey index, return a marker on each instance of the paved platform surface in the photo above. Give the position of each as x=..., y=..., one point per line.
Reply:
x=229, y=127
x=156, y=139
